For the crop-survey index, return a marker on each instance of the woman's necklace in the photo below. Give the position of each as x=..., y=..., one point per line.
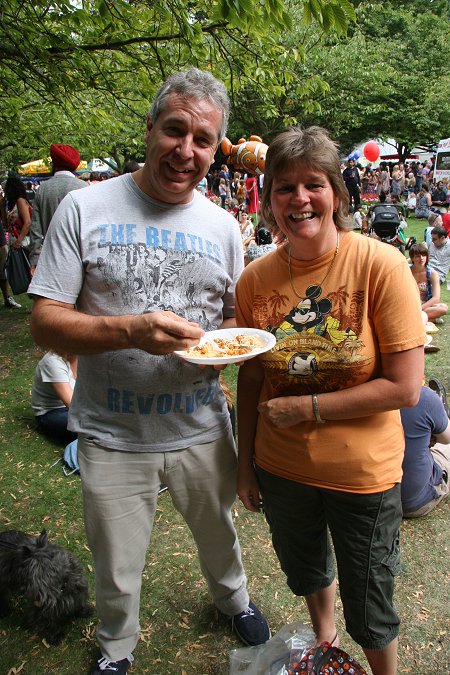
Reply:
x=326, y=275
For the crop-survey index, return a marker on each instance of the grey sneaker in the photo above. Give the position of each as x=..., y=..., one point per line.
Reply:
x=104, y=665
x=12, y=304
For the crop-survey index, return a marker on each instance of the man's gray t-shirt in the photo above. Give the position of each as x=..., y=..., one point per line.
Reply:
x=440, y=259
x=112, y=250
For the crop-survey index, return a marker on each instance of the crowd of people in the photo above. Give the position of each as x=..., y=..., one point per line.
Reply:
x=132, y=269
x=412, y=181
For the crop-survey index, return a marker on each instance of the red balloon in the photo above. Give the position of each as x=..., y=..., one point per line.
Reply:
x=371, y=151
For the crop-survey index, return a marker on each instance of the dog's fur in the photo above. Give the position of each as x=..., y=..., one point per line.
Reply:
x=50, y=578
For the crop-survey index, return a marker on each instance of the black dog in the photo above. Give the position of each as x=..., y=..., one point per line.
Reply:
x=48, y=577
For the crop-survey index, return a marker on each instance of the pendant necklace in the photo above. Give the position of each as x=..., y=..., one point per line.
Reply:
x=326, y=275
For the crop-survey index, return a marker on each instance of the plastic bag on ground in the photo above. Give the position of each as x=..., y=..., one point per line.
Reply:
x=272, y=658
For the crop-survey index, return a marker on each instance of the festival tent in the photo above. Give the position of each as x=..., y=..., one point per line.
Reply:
x=41, y=167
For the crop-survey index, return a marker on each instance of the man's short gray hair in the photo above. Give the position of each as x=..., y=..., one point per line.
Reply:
x=193, y=84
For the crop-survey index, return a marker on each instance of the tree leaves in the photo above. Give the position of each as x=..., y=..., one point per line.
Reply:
x=105, y=59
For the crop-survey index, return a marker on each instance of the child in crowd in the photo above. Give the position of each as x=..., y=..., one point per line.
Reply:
x=411, y=203
x=357, y=219
x=240, y=192
x=222, y=192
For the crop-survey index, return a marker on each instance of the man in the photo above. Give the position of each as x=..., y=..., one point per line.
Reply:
x=65, y=160
x=426, y=469
x=440, y=252
x=132, y=249
x=439, y=197
x=352, y=182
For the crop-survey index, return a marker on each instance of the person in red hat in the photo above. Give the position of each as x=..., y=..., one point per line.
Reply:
x=65, y=160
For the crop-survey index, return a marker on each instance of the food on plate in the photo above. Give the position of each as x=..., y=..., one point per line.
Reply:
x=222, y=347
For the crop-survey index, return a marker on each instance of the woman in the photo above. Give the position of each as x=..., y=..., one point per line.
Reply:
x=410, y=183
x=402, y=174
x=19, y=212
x=8, y=299
x=252, y=196
x=51, y=395
x=423, y=202
x=246, y=227
x=428, y=283
x=378, y=181
x=372, y=184
x=235, y=184
x=419, y=178
x=365, y=179
x=320, y=437
x=385, y=178
x=396, y=182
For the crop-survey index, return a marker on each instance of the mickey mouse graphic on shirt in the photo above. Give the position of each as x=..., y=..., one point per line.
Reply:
x=311, y=316
x=307, y=315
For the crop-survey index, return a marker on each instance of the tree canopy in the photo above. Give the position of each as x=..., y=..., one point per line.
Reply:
x=388, y=78
x=86, y=71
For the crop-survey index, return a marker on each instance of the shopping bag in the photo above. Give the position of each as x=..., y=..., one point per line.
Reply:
x=18, y=270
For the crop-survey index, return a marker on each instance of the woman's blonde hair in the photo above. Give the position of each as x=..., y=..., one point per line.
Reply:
x=314, y=148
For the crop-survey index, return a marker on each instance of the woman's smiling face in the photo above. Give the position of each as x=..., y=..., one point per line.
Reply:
x=303, y=202
x=420, y=259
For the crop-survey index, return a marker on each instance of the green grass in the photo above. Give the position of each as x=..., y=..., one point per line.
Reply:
x=181, y=630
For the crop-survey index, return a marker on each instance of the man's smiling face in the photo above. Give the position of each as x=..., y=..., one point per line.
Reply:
x=180, y=149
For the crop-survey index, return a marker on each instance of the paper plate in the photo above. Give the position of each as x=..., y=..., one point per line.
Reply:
x=266, y=338
x=428, y=340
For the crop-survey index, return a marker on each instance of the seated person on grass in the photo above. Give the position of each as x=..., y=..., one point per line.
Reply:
x=439, y=197
x=428, y=284
x=440, y=220
x=411, y=204
x=439, y=252
x=426, y=464
x=51, y=394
